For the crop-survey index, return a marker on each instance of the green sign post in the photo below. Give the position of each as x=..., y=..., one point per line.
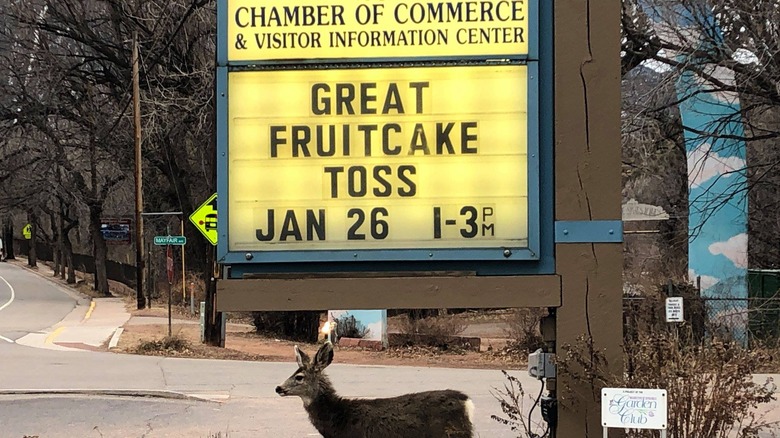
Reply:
x=170, y=240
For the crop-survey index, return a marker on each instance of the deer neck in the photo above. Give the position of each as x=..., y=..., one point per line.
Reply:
x=327, y=411
x=324, y=395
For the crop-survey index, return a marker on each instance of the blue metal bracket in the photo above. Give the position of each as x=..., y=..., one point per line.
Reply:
x=589, y=231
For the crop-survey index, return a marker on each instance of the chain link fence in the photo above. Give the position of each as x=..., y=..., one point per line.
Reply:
x=753, y=321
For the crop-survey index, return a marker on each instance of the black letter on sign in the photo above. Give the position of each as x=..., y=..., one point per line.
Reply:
x=334, y=180
x=443, y=138
x=290, y=227
x=316, y=108
x=388, y=190
x=276, y=141
x=357, y=180
x=418, y=87
x=315, y=224
x=465, y=138
x=411, y=189
x=364, y=108
x=259, y=232
x=419, y=141
x=393, y=100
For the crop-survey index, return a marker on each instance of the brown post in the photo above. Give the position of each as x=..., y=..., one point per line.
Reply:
x=139, y=203
x=587, y=187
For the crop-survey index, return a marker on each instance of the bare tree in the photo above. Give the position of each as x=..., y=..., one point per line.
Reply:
x=74, y=97
x=729, y=48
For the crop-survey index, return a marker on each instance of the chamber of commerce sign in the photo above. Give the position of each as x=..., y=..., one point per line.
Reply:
x=380, y=158
x=283, y=30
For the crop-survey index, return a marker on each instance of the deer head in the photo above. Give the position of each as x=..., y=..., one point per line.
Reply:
x=308, y=382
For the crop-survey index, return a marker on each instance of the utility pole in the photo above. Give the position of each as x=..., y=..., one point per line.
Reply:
x=139, y=203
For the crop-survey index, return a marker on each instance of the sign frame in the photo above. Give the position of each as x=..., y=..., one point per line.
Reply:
x=536, y=258
x=222, y=46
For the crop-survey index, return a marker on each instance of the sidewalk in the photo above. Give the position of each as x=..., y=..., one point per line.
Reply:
x=87, y=327
x=92, y=324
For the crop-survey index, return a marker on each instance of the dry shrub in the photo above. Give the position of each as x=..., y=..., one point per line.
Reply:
x=166, y=345
x=523, y=330
x=511, y=399
x=710, y=388
x=711, y=391
x=302, y=326
x=195, y=287
x=433, y=331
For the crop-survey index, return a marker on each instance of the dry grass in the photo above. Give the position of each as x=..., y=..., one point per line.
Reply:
x=169, y=345
x=432, y=332
x=710, y=388
x=523, y=330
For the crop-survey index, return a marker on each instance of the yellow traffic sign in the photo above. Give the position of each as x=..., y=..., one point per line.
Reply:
x=27, y=231
x=205, y=219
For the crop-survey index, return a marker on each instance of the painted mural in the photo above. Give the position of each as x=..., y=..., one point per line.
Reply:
x=717, y=176
x=372, y=322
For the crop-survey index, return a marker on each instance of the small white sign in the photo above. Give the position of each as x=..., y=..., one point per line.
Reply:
x=632, y=408
x=674, y=309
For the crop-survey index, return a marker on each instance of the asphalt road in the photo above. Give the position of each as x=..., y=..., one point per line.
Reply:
x=243, y=402
x=51, y=393
x=29, y=303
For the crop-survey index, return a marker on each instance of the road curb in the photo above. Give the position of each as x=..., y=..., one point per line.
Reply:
x=115, y=338
x=136, y=393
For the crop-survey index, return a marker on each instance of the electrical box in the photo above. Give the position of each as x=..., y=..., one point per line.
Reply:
x=541, y=365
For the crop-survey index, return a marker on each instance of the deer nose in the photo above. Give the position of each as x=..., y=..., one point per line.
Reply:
x=279, y=390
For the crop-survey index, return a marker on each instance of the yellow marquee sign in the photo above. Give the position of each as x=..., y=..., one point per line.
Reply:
x=378, y=158
x=315, y=29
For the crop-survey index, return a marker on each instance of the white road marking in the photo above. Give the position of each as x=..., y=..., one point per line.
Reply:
x=8, y=303
x=13, y=294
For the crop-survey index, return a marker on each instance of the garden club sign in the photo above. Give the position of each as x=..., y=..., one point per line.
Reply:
x=630, y=408
x=423, y=161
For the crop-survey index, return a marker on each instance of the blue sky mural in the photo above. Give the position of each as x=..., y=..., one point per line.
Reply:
x=716, y=155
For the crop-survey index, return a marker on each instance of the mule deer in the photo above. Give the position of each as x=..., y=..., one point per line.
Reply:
x=431, y=414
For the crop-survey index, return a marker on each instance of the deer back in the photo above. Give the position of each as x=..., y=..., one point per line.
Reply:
x=432, y=414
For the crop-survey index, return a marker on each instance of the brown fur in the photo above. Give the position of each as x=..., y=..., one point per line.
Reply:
x=431, y=414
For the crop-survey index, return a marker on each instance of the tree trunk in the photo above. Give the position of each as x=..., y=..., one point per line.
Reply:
x=66, y=247
x=8, y=238
x=56, y=243
x=68, y=259
x=32, y=258
x=100, y=250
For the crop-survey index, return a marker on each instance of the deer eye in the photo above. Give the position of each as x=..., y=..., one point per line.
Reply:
x=299, y=378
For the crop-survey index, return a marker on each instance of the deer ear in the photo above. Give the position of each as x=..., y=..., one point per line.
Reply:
x=301, y=357
x=324, y=356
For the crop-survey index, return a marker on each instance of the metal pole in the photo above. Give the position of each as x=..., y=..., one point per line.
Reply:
x=170, y=298
x=139, y=203
x=183, y=279
x=169, y=269
x=150, y=275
